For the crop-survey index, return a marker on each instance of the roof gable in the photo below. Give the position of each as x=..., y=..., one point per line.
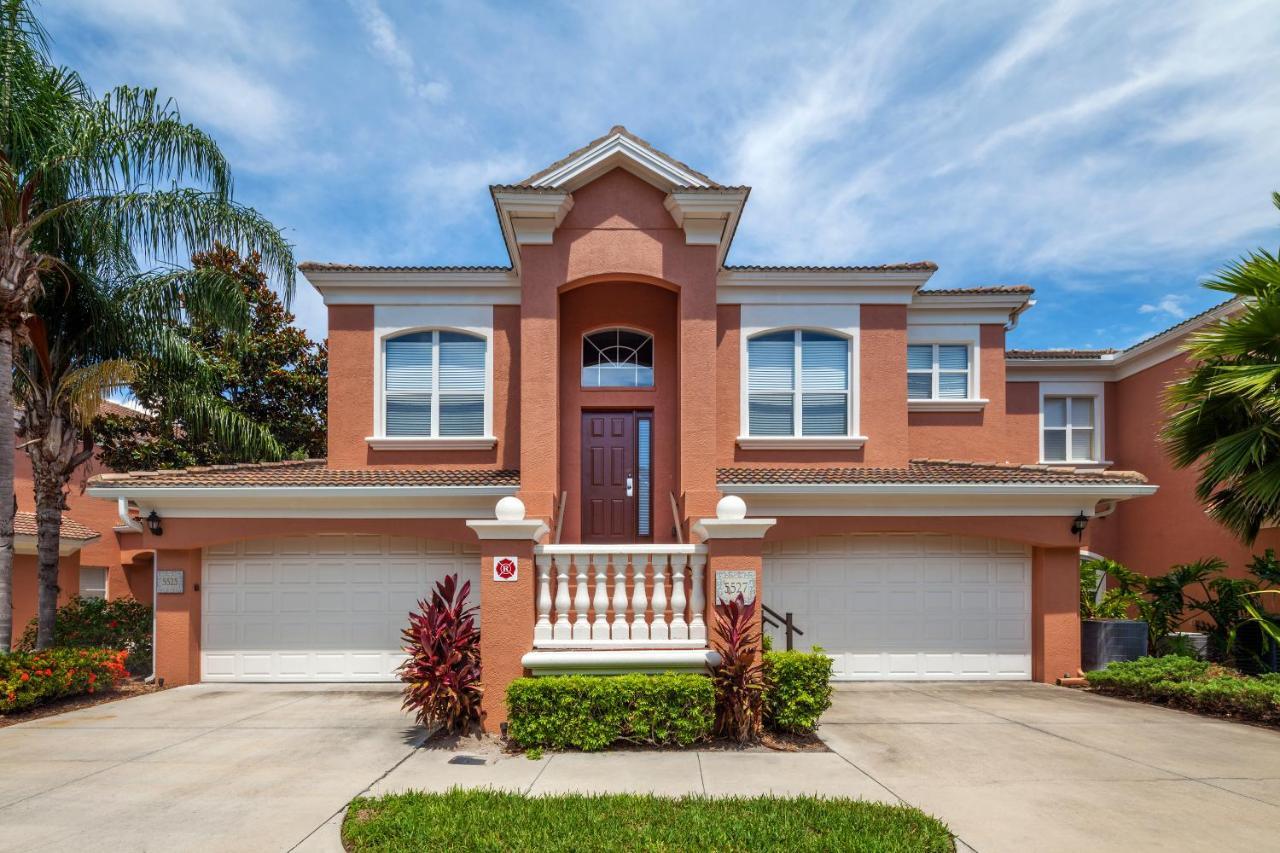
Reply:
x=619, y=148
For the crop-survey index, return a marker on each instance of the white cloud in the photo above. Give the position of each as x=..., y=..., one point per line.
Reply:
x=389, y=47
x=1171, y=304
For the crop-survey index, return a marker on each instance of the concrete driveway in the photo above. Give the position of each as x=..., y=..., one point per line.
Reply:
x=207, y=767
x=1018, y=766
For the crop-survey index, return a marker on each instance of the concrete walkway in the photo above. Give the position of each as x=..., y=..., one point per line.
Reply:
x=1010, y=767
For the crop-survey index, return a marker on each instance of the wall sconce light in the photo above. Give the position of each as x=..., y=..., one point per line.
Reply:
x=153, y=524
x=1078, y=525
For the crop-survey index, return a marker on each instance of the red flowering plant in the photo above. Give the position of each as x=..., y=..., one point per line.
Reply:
x=739, y=679
x=442, y=674
x=28, y=679
x=121, y=623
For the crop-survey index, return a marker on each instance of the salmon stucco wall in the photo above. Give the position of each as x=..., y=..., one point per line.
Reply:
x=351, y=397
x=618, y=230
x=1153, y=533
x=26, y=588
x=635, y=305
x=177, y=636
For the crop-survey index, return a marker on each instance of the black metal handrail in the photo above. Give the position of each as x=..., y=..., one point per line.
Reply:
x=778, y=620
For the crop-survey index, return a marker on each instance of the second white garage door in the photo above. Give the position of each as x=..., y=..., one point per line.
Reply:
x=907, y=607
x=318, y=608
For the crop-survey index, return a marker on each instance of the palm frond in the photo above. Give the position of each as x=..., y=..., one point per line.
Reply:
x=82, y=390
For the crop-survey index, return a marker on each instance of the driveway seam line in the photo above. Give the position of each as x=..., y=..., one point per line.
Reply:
x=134, y=758
x=701, y=778
x=541, y=770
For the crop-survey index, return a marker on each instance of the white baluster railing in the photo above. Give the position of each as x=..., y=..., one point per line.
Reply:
x=585, y=612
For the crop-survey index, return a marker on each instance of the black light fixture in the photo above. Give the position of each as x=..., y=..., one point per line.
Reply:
x=153, y=524
x=1078, y=524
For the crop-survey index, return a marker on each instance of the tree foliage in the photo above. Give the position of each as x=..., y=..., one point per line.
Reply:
x=269, y=372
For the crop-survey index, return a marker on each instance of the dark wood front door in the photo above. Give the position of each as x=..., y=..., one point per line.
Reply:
x=610, y=478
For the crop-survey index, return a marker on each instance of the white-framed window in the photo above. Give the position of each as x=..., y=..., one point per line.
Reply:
x=617, y=358
x=434, y=384
x=939, y=371
x=798, y=384
x=93, y=582
x=1070, y=429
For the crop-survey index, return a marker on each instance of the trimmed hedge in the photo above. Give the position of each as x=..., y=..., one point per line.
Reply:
x=590, y=712
x=797, y=689
x=1193, y=685
x=28, y=679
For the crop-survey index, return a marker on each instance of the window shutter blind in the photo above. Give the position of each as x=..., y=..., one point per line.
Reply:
x=461, y=370
x=920, y=357
x=952, y=357
x=643, y=484
x=407, y=384
x=824, y=367
x=771, y=362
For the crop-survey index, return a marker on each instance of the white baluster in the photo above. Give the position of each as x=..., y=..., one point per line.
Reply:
x=658, y=630
x=679, y=628
x=562, y=631
x=639, y=598
x=581, y=627
x=619, y=631
x=698, y=600
x=542, y=630
x=600, y=627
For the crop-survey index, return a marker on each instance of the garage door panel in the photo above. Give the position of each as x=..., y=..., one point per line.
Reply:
x=318, y=608
x=909, y=606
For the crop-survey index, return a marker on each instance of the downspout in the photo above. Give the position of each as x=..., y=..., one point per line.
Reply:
x=131, y=523
x=1017, y=313
x=1110, y=508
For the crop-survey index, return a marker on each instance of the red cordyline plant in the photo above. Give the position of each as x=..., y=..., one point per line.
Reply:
x=442, y=674
x=739, y=680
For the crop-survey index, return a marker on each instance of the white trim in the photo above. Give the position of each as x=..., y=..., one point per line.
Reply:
x=842, y=320
x=733, y=528
x=390, y=322
x=416, y=287
x=708, y=218
x=944, y=404
x=814, y=287
x=614, y=151
x=309, y=501
x=801, y=442
x=27, y=544
x=519, y=530
x=942, y=334
x=613, y=549
x=1096, y=390
x=401, y=442
x=620, y=661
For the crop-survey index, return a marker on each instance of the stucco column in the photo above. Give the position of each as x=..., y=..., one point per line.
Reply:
x=506, y=606
x=1055, y=613
x=734, y=543
x=177, y=638
x=697, y=392
x=539, y=380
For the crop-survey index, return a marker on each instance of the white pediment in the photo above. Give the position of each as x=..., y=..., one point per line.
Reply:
x=619, y=150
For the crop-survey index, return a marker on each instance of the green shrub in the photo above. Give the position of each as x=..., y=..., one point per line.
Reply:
x=95, y=623
x=1194, y=685
x=28, y=679
x=797, y=689
x=590, y=712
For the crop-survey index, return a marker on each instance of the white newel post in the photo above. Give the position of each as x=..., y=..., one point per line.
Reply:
x=600, y=627
x=658, y=630
x=542, y=630
x=581, y=628
x=639, y=598
x=698, y=599
x=618, y=631
x=679, y=628
x=562, y=629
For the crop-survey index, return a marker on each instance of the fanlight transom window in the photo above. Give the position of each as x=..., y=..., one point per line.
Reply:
x=617, y=358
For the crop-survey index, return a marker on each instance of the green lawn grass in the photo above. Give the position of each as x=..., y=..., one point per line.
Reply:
x=488, y=820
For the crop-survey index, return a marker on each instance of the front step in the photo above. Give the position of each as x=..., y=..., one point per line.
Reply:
x=618, y=662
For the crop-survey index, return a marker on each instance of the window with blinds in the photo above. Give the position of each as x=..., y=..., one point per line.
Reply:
x=1069, y=430
x=797, y=384
x=938, y=372
x=434, y=384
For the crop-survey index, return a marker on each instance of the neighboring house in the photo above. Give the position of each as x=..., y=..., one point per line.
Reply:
x=91, y=563
x=630, y=388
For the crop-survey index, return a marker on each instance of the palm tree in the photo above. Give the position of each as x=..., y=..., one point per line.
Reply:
x=117, y=177
x=1225, y=411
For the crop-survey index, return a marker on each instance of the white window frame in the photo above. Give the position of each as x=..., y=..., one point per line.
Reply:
x=1095, y=390
x=392, y=321
x=106, y=580
x=635, y=330
x=756, y=320
x=938, y=335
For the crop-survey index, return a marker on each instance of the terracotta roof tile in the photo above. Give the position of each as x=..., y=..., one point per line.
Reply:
x=1187, y=322
x=1041, y=354
x=304, y=473
x=317, y=266
x=24, y=524
x=927, y=471
x=619, y=129
x=990, y=288
x=907, y=267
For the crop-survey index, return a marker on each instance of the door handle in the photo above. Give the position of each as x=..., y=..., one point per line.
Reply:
x=629, y=487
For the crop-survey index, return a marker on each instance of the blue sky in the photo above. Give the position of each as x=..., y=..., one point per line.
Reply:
x=1110, y=155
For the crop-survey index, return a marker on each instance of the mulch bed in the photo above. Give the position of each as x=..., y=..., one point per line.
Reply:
x=124, y=690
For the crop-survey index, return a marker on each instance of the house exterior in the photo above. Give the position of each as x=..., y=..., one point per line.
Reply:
x=618, y=427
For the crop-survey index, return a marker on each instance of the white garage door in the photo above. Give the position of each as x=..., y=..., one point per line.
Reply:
x=912, y=606
x=318, y=608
